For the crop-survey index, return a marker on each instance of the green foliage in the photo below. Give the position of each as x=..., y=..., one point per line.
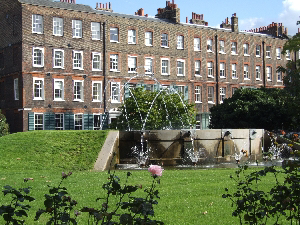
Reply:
x=41, y=150
x=254, y=108
x=126, y=209
x=256, y=206
x=4, y=127
x=184, y=193
x=15, y=210
x=292, y=70
x=58, y=205
x=160, y=110
x=119, y=206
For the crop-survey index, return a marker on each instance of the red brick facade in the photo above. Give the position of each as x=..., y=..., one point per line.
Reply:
x=19, y=41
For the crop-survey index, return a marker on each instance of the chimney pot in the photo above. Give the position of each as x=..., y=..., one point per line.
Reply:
x=186, y=19
x=146, y=15
x=173, y=2
x=298, y=30
x=109, y=5
x=206, y=23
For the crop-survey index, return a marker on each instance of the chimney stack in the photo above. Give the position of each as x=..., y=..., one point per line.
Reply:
x=234, y=23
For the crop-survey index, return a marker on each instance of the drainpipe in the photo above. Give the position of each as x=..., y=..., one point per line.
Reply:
x=217, y=71
x=104, y=67
x=264, y=63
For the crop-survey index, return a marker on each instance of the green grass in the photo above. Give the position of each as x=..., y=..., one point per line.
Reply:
x=185, y=194
x=40, y=150
x=188, y=197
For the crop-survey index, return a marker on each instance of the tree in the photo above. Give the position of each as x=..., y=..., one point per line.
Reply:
x=4, y=127
x=146, y=110
x=292, y=70
x=253, y=108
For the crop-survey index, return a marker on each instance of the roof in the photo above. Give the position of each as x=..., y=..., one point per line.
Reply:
x=84, y=8
x=89, y=9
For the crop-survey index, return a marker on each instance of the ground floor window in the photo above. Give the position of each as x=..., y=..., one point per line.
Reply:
x=97, y=122
x=198, y=121
x=59, y=121
x=78, y=122
x=38, y=121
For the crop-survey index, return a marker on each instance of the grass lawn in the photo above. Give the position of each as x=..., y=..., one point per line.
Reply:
x=40, y=150
x=187, y=196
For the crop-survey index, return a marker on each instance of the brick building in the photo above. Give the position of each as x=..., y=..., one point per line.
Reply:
x=64, y=65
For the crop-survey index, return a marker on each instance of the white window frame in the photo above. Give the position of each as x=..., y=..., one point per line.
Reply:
x=210, y=69
x=77, y=28
x=132, y=36
x=115, y=92
x=222, y=47
x=164, y=40
x=77, y=118
x=77, y=62
x=197, y=44
x=222, y=94
x=97, y=91
x=180, y=42
x=114, y=62
x=246, y=72
x=268, y=52
x=78, y=90
x=233, y=48
x=209, y=45
x=35, y=57
x=38, y=124
x=96, y=60
x=210, y=95
x=55, y=60
x=60, y=90
x=258, y=72
x=222, y=70
x=114, y=34
x=269, y=73
x=100, y=123
x=246, y=49
x=233, y=71
x=37, y=24
x=198, y=68
x=95, y=30
x=16, y=89
x=180, y=65
x=149, y=38
x=233, y=90
x=38, y=87
x=198, y=94
x=278, y=53
x=149, y=65
x=180, y=89
x=165, y=68
x=257, y=50
x=132, y=64
x=58, y=26
x=279, y=76
x=288, y=55
x=61, y=121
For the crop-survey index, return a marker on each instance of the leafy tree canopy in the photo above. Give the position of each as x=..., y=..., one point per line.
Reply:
x=154, y=111
x=292, y=70
x=253, y=108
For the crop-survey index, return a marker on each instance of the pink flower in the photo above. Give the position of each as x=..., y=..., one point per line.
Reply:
x=155, y=170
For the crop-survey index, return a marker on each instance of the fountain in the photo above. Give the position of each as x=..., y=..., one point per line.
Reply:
x=171, y=147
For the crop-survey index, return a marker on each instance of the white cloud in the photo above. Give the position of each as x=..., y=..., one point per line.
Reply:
x=290, y=15
x=251, y=23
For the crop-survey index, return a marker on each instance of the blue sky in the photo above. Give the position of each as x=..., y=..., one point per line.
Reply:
x=251, y=14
